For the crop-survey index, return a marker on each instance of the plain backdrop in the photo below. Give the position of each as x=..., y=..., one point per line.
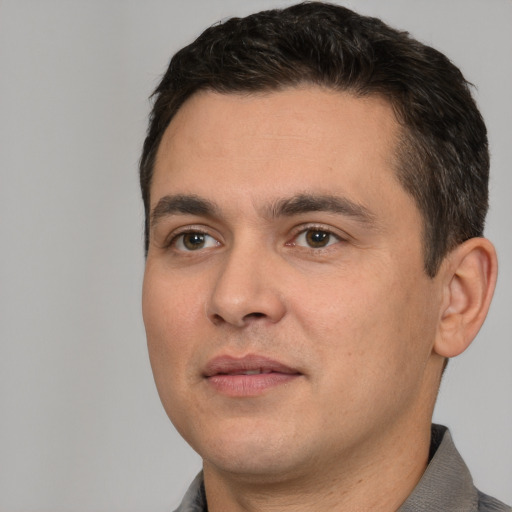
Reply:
x=81, y=426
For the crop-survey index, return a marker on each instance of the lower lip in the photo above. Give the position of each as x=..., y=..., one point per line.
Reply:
x=249, y=385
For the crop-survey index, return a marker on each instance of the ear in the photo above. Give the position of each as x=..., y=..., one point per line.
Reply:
x=469, y=279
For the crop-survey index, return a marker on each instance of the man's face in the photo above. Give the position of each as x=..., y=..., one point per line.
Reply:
x=282, y=242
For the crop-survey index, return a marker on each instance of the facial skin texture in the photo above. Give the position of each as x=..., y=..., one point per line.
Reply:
x=358, y=319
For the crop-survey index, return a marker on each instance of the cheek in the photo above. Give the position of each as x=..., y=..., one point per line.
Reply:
x=170, y=313
x=367, y=321
x=170, y=302
x=170, y=318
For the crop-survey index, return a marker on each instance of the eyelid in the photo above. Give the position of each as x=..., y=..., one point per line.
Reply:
x=299, y=241
x=340, y=235
x=171, y=239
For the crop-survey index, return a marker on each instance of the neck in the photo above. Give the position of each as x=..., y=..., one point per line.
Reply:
x=379, y=477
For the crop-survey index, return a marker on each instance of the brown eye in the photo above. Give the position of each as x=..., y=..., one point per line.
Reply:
x=194, y=241
x=316, y=238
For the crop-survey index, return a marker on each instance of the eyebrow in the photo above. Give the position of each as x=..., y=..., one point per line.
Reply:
x=183, y=205
x=306, y=203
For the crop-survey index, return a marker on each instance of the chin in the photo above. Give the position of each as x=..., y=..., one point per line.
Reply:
x=268, y=468
x=251, y=454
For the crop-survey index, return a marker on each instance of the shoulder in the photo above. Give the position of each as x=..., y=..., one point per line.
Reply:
x=489, y=504
x=195, y=498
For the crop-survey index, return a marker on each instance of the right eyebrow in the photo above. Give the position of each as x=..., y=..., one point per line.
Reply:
x=181, y=204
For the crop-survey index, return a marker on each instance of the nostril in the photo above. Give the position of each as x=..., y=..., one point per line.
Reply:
x=254, y=315
x=218, y=319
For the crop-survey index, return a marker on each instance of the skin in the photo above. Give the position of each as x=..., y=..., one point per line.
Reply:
x=359, y=320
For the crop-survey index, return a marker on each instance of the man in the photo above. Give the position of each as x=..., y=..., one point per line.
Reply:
x=315, y=188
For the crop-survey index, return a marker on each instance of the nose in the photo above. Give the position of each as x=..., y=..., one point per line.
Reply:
x=246, y=289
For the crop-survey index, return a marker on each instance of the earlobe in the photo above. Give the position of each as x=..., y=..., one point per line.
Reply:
x=470, y=272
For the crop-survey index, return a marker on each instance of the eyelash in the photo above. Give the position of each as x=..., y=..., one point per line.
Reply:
x=188, y=230
x=303, y=230
x=174, y=240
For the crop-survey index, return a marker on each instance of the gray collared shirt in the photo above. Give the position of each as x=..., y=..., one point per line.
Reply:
x=446, y=485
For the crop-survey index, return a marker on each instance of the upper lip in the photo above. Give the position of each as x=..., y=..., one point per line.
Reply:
x=225, y=365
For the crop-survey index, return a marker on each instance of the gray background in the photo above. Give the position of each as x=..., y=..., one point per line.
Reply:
x=81, y=426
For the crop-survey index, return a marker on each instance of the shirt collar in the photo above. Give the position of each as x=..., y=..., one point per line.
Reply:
x=446, y=484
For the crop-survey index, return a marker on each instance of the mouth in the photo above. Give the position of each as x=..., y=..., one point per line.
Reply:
x=251, y=375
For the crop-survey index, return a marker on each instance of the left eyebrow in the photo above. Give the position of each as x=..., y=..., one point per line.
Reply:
x=306, y=203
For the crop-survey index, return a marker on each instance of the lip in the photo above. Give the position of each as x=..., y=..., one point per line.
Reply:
x=251, y=375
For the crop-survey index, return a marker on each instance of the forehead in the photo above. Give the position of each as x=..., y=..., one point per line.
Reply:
x=307, y=139
x=291, y=117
